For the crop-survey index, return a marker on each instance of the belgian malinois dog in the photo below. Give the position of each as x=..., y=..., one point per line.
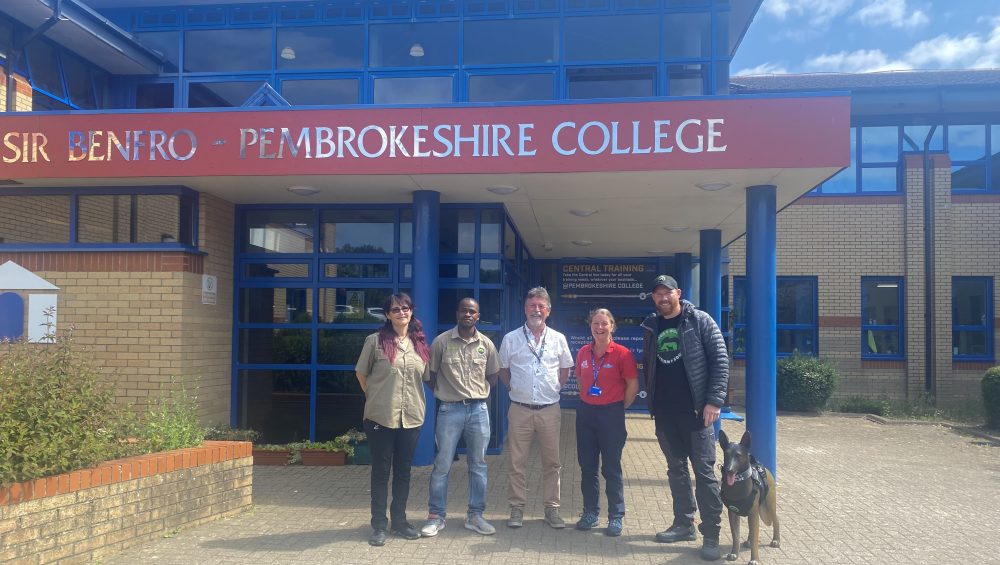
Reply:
x=748, y=490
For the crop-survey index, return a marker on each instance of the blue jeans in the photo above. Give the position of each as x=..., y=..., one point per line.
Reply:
x=454, y=421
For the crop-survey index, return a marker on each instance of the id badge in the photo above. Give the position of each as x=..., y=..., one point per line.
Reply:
x=594, y=391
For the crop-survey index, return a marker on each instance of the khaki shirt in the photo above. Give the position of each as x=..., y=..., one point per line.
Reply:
x=395, y=393
x=462, y=366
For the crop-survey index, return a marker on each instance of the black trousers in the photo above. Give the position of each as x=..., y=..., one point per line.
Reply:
x=600, y=438
x=392, y=448
x=683, y=436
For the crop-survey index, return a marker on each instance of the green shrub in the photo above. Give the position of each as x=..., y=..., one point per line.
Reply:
x=865, y=405
x=991, y=397
x=57, y=411
x=223, y=432
x=172, y=423
x=340, y=443
x=804, y=383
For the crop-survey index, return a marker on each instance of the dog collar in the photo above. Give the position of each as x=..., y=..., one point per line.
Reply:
x=744, y=475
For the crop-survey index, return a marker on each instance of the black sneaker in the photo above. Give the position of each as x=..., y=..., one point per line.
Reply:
x=677, y=533
x=405, y=530
x=710, y=550
x=377, y=539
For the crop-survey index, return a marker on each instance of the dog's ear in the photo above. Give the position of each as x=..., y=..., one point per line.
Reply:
x=723, y=440
x=745, y=440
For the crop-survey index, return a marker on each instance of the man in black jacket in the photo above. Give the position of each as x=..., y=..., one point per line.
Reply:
x=687, y=373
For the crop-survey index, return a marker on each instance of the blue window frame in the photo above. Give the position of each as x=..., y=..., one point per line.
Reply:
x=883, y=332
x=972, y=318
x=797, y=315
x=973, y=148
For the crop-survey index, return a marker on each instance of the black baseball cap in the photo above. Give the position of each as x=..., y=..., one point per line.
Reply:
x=664, y=280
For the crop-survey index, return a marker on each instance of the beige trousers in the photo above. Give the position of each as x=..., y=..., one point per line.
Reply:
x=523, y=424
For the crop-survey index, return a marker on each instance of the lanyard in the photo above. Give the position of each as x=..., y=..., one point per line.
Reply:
x=531, y=344
x=595, y=366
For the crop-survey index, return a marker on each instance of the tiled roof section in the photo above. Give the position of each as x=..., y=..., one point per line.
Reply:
x=861, y=81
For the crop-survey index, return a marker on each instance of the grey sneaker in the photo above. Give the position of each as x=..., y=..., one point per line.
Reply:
x=478, y=524
x=516, y=519
x=710, y=550
x=553, y=518
x=676, y=533
x=434, y=525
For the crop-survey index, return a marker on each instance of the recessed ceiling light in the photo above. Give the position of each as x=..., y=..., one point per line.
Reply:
x=303, y=190
x=656, y=251
x=712, y=186
x=583, y=213
x=547, y=246
x=502, y=189
x=287, y=53
x=675, y=229
x=582, y=242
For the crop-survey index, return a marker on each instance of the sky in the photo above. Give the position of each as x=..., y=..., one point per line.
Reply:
x=859, y=36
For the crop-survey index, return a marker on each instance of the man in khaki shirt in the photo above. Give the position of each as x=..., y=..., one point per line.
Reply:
x=463, y=367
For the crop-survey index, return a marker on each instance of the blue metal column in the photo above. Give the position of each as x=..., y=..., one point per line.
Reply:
x=426, y=218
x=710, y=273
x=682, y=272
x=762, y=323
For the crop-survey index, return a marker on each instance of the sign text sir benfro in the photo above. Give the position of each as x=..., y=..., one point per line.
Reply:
x=694, y=135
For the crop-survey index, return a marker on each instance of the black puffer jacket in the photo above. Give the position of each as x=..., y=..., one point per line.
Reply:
x=703, y=351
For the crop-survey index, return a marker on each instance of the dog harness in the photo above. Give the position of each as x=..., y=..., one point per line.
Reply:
x=757, y=474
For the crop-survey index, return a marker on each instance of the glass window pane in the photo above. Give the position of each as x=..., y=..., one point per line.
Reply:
x=81, y=89
x=413, y=44
x=276, y=270
x=509, y=243
x=276, y=305
x=316, y=92
x=488, y=42
x=358, y=231
x=104, y=219
x=626, y=82
x=157, y=218
x=510, y=88
x=341, y=347
x=881, y=299
x=340, y=403
x=919, y=134
x=225, y=50
x=489, y=271
x=796, y=341
x=458, y=231
x=154, y=95
x=220, y=94
x=454, y=271
x=166, y=43
x=969, y=343
x=686, y=80
x=881, y=342
x=740, y=340
x=489, y=231
x=278, y=231
x=34, y=219
x=489, y=306
x=795, y=302
x=968, y=177
x=320, y=47
x=413, y=90
x=612, y=38
x=448, y=301
x=847, y=180
x=406, y=231
x=356, y=270
x=880, y=144
x=878, y=179
x=352, y=305
x=739, y=301
x=44, y=64
x=969, y=302
x=688, y=35
x=275, y=403
x=275, y=346
x=967, y=143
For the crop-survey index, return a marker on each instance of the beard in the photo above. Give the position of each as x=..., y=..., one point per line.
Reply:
x=535, y=323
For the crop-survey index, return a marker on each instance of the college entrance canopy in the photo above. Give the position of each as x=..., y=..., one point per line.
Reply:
x=643, y=166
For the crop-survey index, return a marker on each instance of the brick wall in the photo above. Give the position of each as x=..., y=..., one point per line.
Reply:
x=841, y=239
x=24, y=94
x=81, y=516
x=141, y=314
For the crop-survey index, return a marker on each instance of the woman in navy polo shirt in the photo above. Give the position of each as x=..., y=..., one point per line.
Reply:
x=606, y=374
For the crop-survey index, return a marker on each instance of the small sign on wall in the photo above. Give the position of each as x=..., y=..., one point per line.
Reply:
x=209, y=289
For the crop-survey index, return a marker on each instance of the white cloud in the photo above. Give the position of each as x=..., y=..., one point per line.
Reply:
x=893, y=13
x=817, y=12
x=860, y=61
x=763, y=69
